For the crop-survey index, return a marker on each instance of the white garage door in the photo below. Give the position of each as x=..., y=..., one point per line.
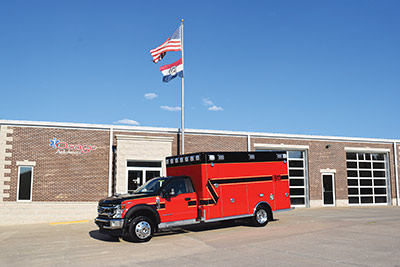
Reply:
x=367, y=178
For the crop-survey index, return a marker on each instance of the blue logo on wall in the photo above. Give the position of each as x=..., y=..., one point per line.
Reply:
x=54, y=142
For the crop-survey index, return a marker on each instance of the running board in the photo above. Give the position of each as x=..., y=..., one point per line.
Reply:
x=229, y=218
x=167, y=225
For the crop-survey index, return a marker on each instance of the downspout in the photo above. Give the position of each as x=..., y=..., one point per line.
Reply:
x=248, y=143
x=110, y=163
x=396, y=171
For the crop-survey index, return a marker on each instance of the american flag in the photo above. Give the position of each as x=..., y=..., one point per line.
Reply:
x=171, y=44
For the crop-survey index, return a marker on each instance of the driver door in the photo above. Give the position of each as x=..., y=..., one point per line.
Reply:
x=180, y=201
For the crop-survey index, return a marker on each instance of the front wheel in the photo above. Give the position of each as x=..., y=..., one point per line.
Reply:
x=260, y=217
x=141, y=229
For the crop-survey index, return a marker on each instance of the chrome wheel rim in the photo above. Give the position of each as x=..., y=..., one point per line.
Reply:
x=143, y=230
x=261, y=216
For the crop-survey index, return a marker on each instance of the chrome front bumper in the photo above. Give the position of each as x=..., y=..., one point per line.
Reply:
x=109, y=224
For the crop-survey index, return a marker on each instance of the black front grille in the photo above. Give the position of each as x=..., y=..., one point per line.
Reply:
x=106, y=212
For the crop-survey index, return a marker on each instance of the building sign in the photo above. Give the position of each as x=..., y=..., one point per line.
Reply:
x=66, y=148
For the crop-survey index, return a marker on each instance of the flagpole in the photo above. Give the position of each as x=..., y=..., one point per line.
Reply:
x=182, y=97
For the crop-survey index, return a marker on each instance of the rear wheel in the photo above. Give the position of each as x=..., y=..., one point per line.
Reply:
x=141, y=229
x=260, y=217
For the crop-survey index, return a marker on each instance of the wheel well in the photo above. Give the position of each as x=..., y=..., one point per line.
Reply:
x=147, y=214
x=269, y=210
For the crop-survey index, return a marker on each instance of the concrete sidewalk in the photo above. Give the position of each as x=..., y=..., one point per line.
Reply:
x=362, y=236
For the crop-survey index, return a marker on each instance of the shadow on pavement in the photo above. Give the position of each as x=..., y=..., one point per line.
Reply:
x=95, y=234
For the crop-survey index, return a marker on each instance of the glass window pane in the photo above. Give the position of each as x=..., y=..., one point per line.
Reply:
x=152, y=174
x=144, y=164
x=296, y=173
x=360, y=156
x=365, y=174
x=378, y=156
x=366, y=191
x=134, y=180
x=380, y=200
x=379, y=182
x=353, y=191
x=352, y=182
x=379, y=165
x=296, y=182
x=352, y=164
x=296, y=191
x=295, y=154
x=364, y=165
x=296, y=163
x=380, y=191
x=354, y=200
x=365, y=182
x=379, y=174
x=352, y=174
x=178, y=185
x=351, y=156
x=367, y=199
x=297, y=201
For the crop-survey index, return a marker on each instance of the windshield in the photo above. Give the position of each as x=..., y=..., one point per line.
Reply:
x=151, y=186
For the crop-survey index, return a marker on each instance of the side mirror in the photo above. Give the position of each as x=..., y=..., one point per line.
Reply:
x=171, y=192
x=165, y=194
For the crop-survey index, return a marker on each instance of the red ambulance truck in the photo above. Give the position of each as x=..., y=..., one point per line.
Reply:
x=200, y=188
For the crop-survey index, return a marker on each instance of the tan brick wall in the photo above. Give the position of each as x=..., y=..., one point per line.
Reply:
x=61, y=177
x=208, y=143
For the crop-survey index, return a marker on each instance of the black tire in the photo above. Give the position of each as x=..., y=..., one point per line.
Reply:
x=261, y=216
x=141, y=229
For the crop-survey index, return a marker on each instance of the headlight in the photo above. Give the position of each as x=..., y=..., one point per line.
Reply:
x=120, y=209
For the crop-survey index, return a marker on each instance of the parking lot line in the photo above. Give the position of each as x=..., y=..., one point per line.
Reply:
x=70, y=222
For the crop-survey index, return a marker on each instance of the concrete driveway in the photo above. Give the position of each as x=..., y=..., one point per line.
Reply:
x=356, y=236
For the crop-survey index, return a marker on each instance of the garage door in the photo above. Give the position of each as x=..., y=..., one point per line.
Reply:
x=367, y=178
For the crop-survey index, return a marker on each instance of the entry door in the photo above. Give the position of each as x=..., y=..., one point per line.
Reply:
x=328, y=192
x=138, y=176
x=182, y=205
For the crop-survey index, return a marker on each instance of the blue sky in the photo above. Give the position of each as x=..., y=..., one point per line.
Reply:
x=299, y=67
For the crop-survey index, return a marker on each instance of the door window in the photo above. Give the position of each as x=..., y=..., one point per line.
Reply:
x=178, y=185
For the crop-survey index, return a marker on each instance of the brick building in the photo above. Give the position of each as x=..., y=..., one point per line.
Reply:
x=58, y=171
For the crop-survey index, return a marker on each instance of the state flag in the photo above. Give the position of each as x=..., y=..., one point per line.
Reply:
x=171, y=71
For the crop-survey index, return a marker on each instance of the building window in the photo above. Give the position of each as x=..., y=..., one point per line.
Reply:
x=25, y=179
x=139, y=172
x=367, y=178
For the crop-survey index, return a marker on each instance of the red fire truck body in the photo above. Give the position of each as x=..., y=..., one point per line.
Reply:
x=201, y=187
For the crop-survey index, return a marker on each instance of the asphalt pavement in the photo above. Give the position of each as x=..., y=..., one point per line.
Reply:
x=353, y=236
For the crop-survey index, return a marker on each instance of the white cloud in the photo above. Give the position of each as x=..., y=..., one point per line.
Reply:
x=126, y=121
x=150, y=96
x=168, y=108
x=207, y=102
x=215, y=108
